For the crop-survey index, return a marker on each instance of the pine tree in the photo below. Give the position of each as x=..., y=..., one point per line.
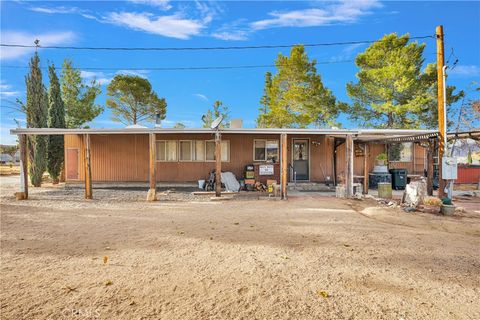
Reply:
x=218, y=110
x=265, y=101
x=37, y=106
x=295, y=96
x=56, y=119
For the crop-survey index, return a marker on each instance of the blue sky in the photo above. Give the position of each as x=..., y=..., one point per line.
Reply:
x=163, y=23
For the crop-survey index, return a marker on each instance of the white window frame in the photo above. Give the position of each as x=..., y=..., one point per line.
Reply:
x=194, y=151
x=266, y=140
x=165, y=151
x=191, y=150
x=228, y=154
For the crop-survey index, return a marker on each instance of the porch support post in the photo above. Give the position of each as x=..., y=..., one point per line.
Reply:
x=349, y=165
x=218, y=164
x=283, y=166
x=366, y=152
x=430, y=154
x=88, y=167
x=23, y=194
x=152, y=191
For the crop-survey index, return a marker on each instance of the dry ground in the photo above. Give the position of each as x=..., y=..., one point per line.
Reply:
x=307, y=258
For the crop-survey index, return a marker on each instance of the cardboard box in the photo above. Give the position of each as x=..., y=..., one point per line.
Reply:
x=270, y=182
x=249, y=175
x=249, y=181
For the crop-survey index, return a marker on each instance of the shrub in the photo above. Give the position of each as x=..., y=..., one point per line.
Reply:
x=432, y=201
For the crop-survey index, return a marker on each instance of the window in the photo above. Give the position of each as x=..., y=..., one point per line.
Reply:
x=401, y=152
x=167, y=150
x=210, y=150
x=265, y=150
x=185, y=151
x=199, y=150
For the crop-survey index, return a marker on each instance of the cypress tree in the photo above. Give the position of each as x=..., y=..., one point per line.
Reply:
x=56, y=119
x=36, y=118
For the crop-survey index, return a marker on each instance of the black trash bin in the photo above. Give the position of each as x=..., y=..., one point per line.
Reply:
x=399, y=178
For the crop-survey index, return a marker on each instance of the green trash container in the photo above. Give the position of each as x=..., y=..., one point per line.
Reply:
x=399, y=178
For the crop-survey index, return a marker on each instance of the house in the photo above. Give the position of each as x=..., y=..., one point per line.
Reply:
x=187, y=155
x=5, y=158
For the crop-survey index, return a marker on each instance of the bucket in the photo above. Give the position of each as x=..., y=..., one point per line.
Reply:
x=201, y=183
x=448, y=210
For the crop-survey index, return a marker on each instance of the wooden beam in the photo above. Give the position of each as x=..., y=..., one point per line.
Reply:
x=152, y=191
x=23, y=194
x=430, y=155
x=441, y=108
x=88, y=167
x=218, y=164
x=283, y=165
x=366, y=157
x=349, y=165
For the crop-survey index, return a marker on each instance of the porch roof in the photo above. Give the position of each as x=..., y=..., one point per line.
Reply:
x=359, y=134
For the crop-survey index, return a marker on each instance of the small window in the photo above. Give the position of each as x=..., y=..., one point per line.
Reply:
x=185, y=151
x=210, y=150
x=199, y=150
x=161, y=150
x=167, y=150
x=400, y=152
x=265, y=150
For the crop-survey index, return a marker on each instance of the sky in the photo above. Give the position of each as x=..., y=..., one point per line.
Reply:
x=189, y=93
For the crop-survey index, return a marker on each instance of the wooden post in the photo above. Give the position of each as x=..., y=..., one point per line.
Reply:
x=283, y=165
x=23, y=194
x=218, y=164
x=349, y=165
x=88, y=167
x=441, y=110
x=366, y=152
x=152, y=191
x=430, y=154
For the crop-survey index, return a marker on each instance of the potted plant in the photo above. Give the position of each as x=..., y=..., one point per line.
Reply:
x=432, y=205
x=381, y=159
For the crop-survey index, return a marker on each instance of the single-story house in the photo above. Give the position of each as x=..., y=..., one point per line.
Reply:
x=187, y=155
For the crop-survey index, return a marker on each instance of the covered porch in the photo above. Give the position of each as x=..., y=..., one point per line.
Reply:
x=154, y=155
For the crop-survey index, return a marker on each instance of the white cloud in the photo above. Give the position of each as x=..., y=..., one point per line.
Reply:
x=201, y=96
x=6, y=90
x=46, y=39
x=53, y=10
x=139, y=73
x=99, y=77
x=174, y=26
x=234, y=35
x=161, y=4
x=344, y=11
x=465, y=71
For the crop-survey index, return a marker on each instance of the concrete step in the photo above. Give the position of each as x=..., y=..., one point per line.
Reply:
x=309, y=186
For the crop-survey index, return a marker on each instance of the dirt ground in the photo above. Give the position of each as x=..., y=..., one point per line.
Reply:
x=119, y=257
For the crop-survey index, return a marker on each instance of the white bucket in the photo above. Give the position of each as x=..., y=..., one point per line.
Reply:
x=200, y=184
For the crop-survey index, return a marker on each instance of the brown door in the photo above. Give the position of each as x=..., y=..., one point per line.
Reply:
x=72, y=164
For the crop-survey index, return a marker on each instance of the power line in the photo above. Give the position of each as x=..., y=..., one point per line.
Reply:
x=200, y=48
x=183, y=68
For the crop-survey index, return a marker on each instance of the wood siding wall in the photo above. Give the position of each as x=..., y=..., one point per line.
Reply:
x=125, y=158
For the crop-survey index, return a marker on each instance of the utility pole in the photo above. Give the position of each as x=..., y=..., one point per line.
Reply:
x=441, y=108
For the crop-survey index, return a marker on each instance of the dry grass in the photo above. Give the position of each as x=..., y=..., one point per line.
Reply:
x=7, y=170
x=119, y=257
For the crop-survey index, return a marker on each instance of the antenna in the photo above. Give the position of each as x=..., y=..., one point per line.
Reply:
x=216, y=123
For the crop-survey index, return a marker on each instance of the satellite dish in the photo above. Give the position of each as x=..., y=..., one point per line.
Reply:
x=216, y=123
